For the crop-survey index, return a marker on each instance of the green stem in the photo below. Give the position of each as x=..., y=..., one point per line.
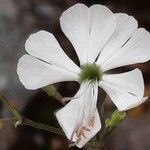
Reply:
x=12, y=109
x=52, y=91
x=28, y=122
x=8, y=121
x=19, y=120
x=41, y=126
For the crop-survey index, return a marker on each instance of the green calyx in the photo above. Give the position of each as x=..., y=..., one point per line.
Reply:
x=116, y=118
x=50, y=90
x=90, y=72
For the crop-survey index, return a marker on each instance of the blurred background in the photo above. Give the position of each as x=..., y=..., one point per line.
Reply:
x=20, y=18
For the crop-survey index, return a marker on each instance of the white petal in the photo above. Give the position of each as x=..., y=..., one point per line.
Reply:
x=102, y=26
x=131, y=81
x=68, y=117
x=34, y=73
x=136, y=50
x=44, y=46
x=126, y=89
x=126, y=26
x=75, y=23
x=88, y=29
x=76, y=113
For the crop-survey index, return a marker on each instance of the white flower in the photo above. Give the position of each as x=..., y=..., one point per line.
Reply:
x=102, y=41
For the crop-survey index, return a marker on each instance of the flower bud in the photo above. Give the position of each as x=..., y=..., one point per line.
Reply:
x=116, y=118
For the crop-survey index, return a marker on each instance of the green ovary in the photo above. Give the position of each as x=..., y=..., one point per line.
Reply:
x=90, y=72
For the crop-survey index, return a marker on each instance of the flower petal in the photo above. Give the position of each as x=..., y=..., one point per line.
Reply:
x=88, y=29
x=77, y=117
x=126, y=26
x=136, y=50
x=44, y=46
x=68, y=116
x=34, y=73
x=102, y=26
x=126, y=89
x=75, y=23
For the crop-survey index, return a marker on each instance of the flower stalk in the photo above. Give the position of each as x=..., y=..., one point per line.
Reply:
x=28, y=122
x=19, y=120
x=52, y=91
x=107, y=126
x=12, y=109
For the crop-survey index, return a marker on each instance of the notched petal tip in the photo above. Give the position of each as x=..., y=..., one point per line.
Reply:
x=70, y=9
x=34, y=36
x=98, y=6
x=125, y=89
x=128, y=17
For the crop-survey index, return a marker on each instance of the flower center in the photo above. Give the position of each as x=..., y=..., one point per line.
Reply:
x=90, y=72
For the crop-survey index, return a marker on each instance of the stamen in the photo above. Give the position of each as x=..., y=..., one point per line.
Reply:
x=74, y=132
x=86, y=120
x=78, y=140
x=86, y=129
x=91, y=121
x=80, y=132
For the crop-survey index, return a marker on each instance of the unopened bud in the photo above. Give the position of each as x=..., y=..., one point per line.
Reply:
x=116, y=118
